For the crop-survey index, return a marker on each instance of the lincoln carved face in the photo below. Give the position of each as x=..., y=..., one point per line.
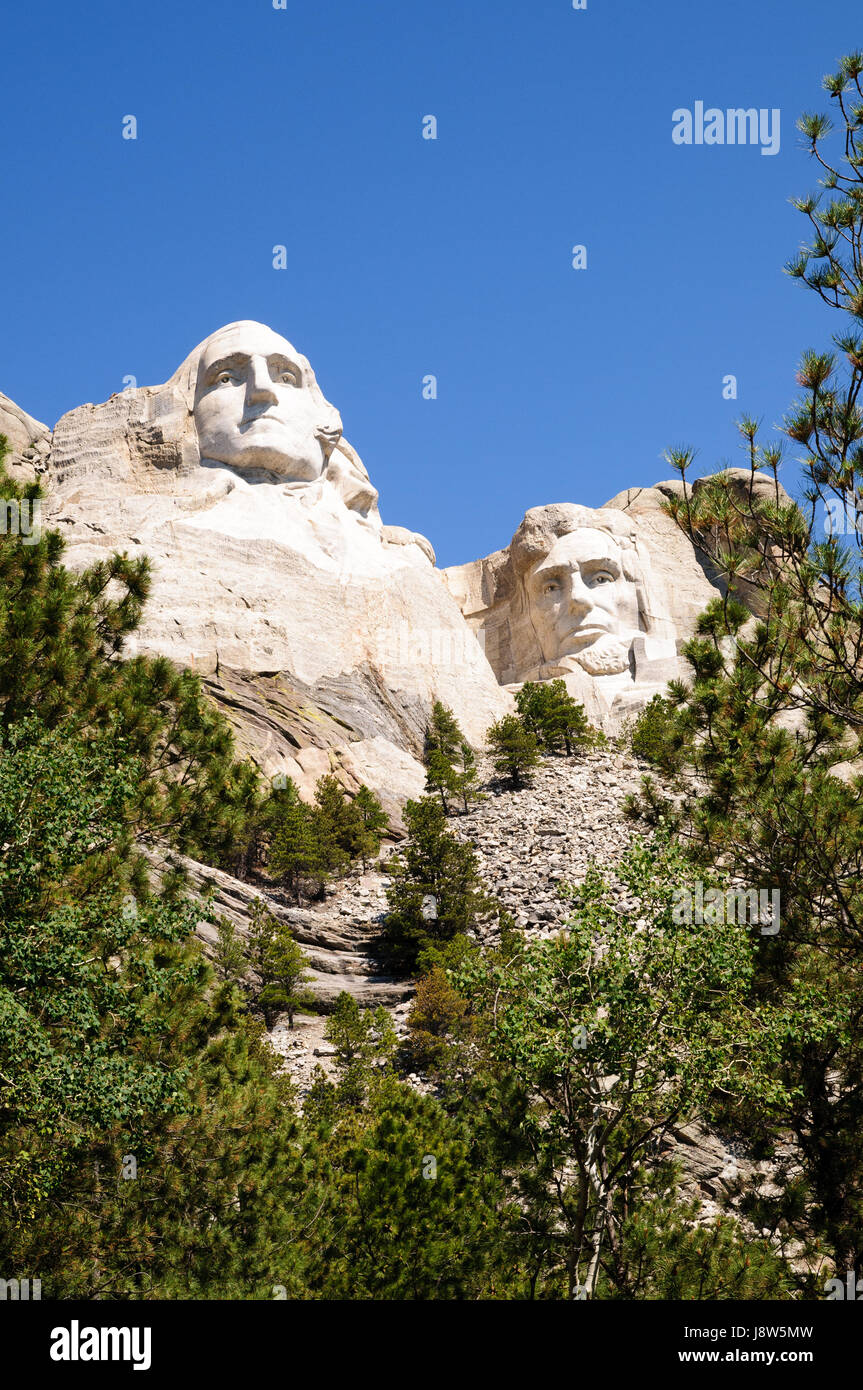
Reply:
x=258, y=407
x=582, y=604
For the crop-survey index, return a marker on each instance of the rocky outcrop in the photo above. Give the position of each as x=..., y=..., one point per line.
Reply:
x=324, y=634
x=29, y=441
x=603, y=598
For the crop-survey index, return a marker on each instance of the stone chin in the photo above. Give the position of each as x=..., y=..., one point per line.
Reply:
x=267, y=451
x=609, y=656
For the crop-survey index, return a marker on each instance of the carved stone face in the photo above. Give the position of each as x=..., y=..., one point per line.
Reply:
x=256, y=406
x=581, y=603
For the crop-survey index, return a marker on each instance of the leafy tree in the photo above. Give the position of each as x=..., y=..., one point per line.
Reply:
x=601, y=1040
x=513, y=748
x=148, y=1147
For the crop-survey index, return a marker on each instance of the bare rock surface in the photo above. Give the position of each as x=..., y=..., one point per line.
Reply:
x=29, y=441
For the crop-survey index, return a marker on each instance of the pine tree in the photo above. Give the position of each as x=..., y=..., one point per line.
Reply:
x=441, y=776
x=280, y=967
x=229, y=957
x=467, y=776
x=774, y=705
x=335, y=824
x=61, y=648
x=369, y=826
x=443, y=741
x=513, y=749
x=296, y=855
x=435, y=1019
x=436, y=892
x=558, y=722
x=420, y=1215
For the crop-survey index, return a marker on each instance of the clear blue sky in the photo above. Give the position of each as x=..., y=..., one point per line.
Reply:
x=302, y=126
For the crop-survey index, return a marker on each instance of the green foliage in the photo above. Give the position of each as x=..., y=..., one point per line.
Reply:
x=449, y=759
x=559, y=724
x=370, y=825
x=436, y=1019
x=436, y=892
x=279, y=965
x=775, y=704
x=669, y=1251
x=419, y=1215
x=513, y=748
x=360, y=1036
x=143, y=1130
x=599, y=1042
x=61, y=640
x=229, y=956
x=308, y=845
x=655, y=735
x=296, y=855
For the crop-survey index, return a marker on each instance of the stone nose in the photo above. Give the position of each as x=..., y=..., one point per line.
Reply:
x=259, y=383
x=579, y=597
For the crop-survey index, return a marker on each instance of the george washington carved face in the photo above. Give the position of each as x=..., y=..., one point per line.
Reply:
x=258, y=407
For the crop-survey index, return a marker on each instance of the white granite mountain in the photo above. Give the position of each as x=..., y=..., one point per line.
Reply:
x=324, y=634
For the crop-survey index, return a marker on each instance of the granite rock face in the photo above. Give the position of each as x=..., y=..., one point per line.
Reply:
x=324, y=634
x=603, y=598
x=29, y=441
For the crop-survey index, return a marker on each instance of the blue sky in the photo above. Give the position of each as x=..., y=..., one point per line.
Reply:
x=409, y=257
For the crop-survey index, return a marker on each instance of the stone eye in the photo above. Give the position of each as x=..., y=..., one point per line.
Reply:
x=225, y=379
x=289, y=378
x=604, y=579
x=550, y=588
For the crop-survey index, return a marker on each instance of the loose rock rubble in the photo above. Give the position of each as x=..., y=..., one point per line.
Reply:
x=528, y=842
x=531, y=841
